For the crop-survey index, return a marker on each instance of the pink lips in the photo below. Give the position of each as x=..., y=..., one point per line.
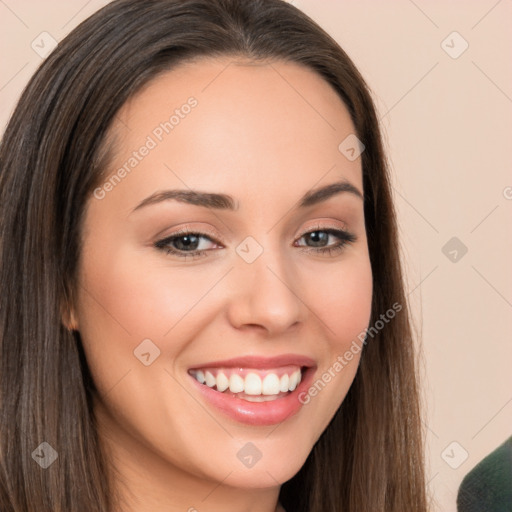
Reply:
x=262, y=363
x=258, y=413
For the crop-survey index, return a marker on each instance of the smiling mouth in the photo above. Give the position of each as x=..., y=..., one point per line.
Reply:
x=253, y=385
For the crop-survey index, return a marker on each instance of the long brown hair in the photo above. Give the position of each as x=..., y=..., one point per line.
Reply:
x=370, y=457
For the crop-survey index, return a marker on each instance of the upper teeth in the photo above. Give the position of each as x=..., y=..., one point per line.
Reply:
x=250, y=382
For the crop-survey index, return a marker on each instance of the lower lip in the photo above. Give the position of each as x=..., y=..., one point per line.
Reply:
x=257, y=413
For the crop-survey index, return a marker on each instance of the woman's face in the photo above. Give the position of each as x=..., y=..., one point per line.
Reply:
x=265, y=287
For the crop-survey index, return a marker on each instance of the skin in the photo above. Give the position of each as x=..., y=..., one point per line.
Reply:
x=266, y=134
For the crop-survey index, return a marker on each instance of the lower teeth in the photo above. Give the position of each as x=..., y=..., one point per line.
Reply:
x=254, y=398
x=259, y=398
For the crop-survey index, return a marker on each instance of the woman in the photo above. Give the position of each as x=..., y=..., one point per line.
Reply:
x=202, y=306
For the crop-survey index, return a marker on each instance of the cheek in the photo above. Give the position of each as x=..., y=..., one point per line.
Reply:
x=344, y=298
x=126, y=297
x=136, y=293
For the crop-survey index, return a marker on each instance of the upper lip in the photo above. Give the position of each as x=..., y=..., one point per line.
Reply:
x=260, y=362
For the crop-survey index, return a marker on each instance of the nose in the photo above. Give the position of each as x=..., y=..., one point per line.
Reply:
x=266, y=295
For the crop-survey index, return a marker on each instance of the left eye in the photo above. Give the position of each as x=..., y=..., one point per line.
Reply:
x=320, y=237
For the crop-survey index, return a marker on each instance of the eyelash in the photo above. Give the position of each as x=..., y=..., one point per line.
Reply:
x=344, y=236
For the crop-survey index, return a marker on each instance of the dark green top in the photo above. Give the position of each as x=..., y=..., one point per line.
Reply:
x=488, y=486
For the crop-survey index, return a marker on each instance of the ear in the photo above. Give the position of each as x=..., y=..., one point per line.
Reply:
x=68, y=317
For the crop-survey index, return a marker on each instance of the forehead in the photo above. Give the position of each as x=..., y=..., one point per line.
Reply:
x=231, y=122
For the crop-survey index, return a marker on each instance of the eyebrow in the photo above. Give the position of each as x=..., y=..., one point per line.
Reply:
x=226, y=202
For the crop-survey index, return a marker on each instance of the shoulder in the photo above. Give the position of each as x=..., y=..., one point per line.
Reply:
x=488, y=486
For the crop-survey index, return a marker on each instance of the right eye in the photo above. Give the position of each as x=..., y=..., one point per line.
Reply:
x=185, y=244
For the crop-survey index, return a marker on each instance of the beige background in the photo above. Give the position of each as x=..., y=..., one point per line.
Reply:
x=448, y=127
